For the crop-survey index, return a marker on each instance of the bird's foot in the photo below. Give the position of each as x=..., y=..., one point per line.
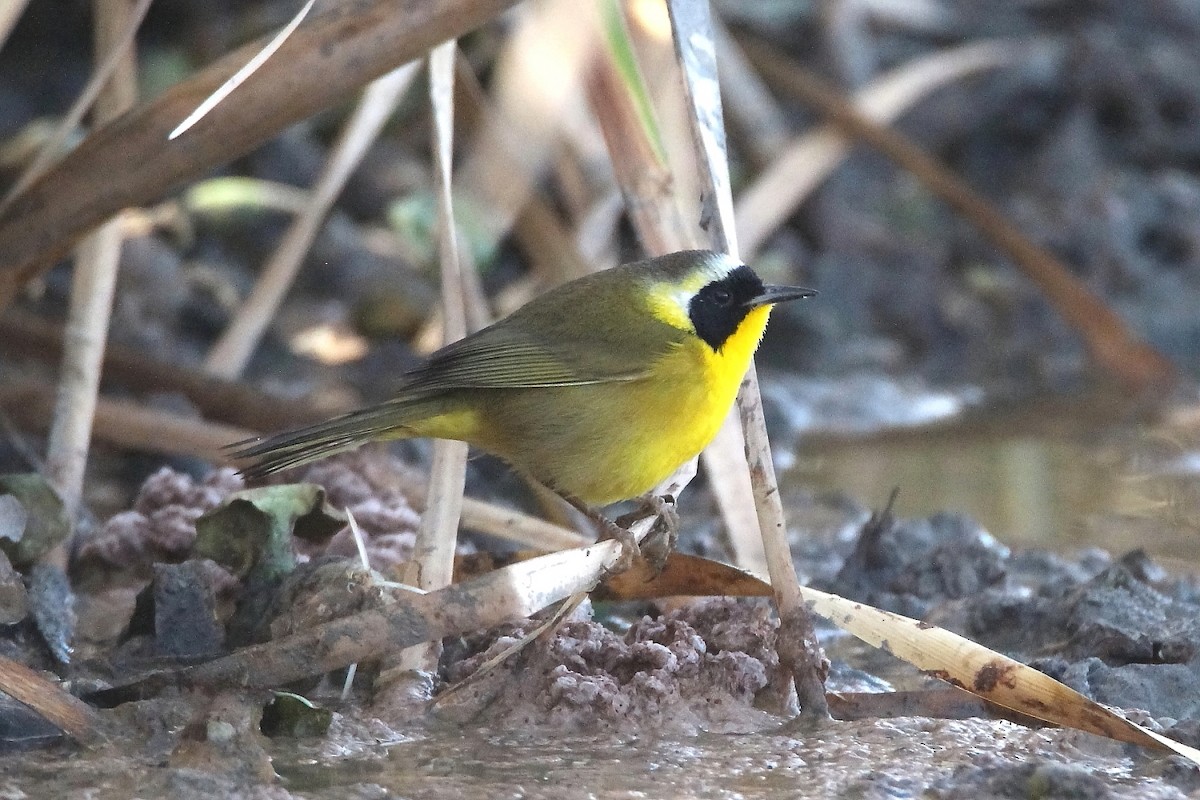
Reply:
x=657, y=545
x=630, y=549
x=608, y=530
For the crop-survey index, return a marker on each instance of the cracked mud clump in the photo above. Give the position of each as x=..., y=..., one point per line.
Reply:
x=699, y=668
x=161, y=526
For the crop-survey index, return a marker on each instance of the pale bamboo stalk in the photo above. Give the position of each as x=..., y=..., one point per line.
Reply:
x=729, y=480
x=799, y=649
x=437, y=536
x=233, y=350
x=92, y=287
x=432, y=563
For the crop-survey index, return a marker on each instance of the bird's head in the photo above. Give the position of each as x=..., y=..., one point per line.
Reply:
x=711, y=295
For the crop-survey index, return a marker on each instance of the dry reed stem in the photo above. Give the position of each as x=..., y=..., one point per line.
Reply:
x=985, y=672
x=508, y=594
x=725, y=463
x=799, y=649
x=432, y=562
x=129, y=162
x=92, y=287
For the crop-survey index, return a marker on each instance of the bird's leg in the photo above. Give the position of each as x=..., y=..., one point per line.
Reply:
x=608, y=530
x=657, y=545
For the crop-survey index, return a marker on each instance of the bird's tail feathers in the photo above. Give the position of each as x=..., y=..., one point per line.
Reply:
x=295, y=448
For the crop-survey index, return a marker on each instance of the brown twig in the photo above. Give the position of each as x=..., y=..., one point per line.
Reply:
x=68, y=713
x=24, y=335
x=1112, y=345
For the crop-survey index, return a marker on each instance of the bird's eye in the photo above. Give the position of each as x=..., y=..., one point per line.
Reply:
x=721, y=297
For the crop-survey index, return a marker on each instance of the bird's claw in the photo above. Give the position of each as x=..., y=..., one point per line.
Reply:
x=656, y=546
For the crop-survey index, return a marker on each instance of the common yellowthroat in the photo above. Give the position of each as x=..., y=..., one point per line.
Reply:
x=599, y=389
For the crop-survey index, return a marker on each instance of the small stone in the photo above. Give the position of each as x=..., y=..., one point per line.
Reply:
x=14, y=602
x=185, y=618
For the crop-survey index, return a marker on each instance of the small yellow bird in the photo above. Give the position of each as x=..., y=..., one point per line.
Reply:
x=599, y=389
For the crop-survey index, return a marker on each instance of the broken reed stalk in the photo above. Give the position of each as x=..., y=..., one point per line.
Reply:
x=508, y=594
x=798, y=646
x=93, y=284
x=1113, y=347
x=129, y=162
x=232, y=351
x=432, y=562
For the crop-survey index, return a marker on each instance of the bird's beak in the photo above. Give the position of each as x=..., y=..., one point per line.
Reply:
x=778, y=294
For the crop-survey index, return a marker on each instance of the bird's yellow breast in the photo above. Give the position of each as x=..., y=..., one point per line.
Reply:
x=669, y=417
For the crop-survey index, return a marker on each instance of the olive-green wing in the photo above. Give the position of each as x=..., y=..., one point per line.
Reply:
x=508, y=356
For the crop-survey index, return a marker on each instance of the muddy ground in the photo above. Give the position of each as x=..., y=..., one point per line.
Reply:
x=1092, y=151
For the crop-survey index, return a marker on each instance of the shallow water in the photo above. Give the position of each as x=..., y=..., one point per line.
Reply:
x=877, y=759
x=1059, y=475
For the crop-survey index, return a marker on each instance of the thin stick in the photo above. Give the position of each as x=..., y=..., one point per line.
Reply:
x=799, y=648
x=92, y=288
x=432, y=564
x=51, y=702
x=232, y=351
